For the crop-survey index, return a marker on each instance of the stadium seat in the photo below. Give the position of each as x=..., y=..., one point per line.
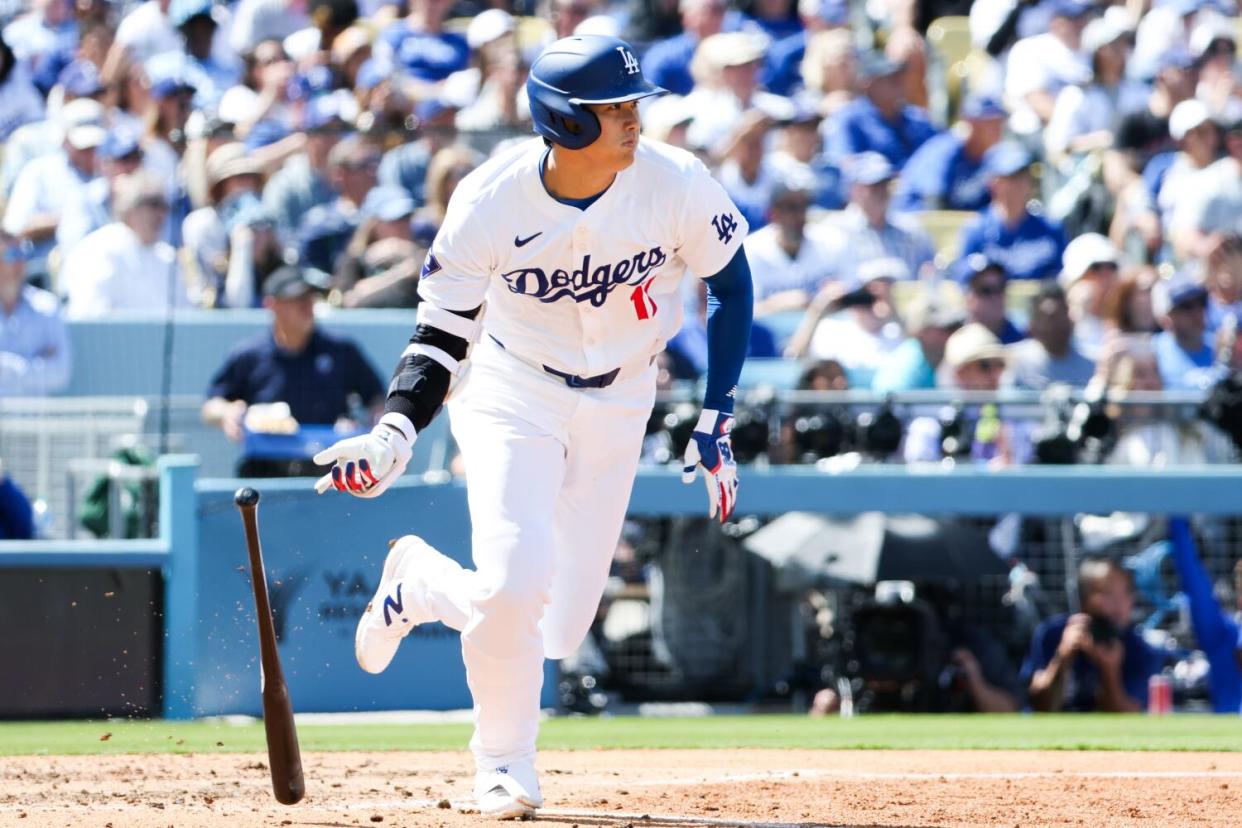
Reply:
x=945, y=229
x=949, y=41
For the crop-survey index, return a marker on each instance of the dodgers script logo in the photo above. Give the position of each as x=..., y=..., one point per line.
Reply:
x=584, y=284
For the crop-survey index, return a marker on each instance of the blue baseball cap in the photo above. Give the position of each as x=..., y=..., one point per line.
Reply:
x=181, y=12
x=869, y=168
x=315, y=81
x=119, y=144
x=1005, y=159
x=168, y=74
x=1175, y=57
x=80, y=79
x=1069, y=8
x=388, y=203
x=979, y=107
x=1177, y=291
x=967, y=268
x=326, y=113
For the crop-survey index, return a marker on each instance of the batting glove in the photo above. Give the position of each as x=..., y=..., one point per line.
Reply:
x=366, y=466
x=711, y=447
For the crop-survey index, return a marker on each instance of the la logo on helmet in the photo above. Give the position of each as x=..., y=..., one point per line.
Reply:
x=631, y=62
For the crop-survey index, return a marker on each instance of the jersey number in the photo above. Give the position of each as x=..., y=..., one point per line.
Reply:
x=644, y=306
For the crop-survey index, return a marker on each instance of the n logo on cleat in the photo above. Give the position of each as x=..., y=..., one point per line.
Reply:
x=397, y=606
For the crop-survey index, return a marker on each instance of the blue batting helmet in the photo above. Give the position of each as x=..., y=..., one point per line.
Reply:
x=574, y=71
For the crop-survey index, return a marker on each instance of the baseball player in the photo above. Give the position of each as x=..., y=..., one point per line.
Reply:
x=556, y=277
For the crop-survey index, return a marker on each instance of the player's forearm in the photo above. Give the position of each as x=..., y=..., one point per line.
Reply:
x=730, y=307
x=421, y=382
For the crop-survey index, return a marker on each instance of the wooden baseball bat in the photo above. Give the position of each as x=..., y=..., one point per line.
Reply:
x=283, y=755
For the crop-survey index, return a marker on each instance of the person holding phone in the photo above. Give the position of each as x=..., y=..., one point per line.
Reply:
x=1093, y=660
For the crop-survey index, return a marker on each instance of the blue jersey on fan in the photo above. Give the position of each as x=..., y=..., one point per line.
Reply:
x=1031, y=250
x=426, y=56
x=859, y=127
x=940, y=176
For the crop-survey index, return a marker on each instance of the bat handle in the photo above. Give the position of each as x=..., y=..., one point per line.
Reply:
x=323, y=484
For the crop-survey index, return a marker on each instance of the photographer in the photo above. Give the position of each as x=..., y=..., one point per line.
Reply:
x=1093, y=660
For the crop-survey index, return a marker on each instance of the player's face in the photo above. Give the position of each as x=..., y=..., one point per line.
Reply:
x=618, y=136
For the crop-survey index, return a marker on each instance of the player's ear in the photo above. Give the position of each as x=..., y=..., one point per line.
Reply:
x=269, y=302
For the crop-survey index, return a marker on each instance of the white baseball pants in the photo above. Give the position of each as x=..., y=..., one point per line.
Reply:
x=549, y=470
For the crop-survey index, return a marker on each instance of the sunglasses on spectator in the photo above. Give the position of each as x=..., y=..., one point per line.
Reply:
x=371, y=163
x=988, y=291
x=989, y=365
x=1191, y=305
x=154, y=202
x=1096, y=267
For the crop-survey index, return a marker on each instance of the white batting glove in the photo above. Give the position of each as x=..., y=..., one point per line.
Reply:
x=366, y=466
x=712, y=448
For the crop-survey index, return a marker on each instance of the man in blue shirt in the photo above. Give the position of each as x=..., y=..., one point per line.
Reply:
x=983, y=281
x=914, y=362
x=34, y=345
x=667, y=62
x=880, y=120
x=1029, y=246
x=1183, y=348
x=946, y=173
x=1093, y=660
x=419, y=44
x=294, y=363
x=1217, y=633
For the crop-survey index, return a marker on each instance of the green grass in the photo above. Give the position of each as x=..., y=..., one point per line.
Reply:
x=1083, y=732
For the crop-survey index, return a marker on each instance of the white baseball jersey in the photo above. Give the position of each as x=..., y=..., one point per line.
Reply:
x=581, y=291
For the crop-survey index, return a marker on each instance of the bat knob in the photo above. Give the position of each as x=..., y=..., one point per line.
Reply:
x=246, y=496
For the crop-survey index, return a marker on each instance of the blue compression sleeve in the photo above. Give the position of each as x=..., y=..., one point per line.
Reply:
x=730, y=307
x=1216, y=632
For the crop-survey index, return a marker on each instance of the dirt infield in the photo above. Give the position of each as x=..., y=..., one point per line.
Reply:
x=637, y=788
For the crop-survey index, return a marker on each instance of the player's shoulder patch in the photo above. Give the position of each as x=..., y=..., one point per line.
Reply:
x=431, y=266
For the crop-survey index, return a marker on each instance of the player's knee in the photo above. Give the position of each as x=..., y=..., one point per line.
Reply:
x=515, y=596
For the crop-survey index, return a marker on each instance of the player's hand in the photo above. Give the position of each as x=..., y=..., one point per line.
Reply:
x=711, y=447
x=367, y=465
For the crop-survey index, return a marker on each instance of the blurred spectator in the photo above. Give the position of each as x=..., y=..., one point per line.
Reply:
x=783, y=72
x=90, y=207
x=123, y=266
x=1088, y=274
x=313, y=372
x=446, y=170
x=975, y=359
x=1183, y=347
x=196, y=23
x=906, y=47
x=1028, y=245
x=745, y=173
x=1126, y=307
x=726, y=72
x=495, y=87
x=1213, y=43
x=787, y=266
x=146, y=31
x=80, y=79
x=1085, y=117
x=419, y=44
x=405, y=166
x=798, y=156
x=1206, y=213
x=880, y=121
x=946, y=173
x=852, y=322
x=34, y=346
x=868, y=230
x=984, y=282
x=829, y=71
x=651, y=20
x=20, y=102
x=567, y=15
x=303, y=182
x=44, y=37
x=350, y=50
x=1178, y=177
x=171, y=97
x=1040, y=66
x=913, y=364
x=1048, y=356
x=667, y=62
x=16, y=514
x=1223, y=281
x=328, y=18
x=47, y=183
x=381, y=265
x=1093, y=660
x=325, y=230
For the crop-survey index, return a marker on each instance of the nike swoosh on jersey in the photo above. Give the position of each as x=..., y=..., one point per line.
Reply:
x=520, y=242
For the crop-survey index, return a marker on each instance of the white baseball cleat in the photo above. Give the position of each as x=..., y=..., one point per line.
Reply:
x=399, y=604
x=508, y=792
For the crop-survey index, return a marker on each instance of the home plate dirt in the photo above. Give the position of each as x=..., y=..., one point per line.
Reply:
x=637, y=788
